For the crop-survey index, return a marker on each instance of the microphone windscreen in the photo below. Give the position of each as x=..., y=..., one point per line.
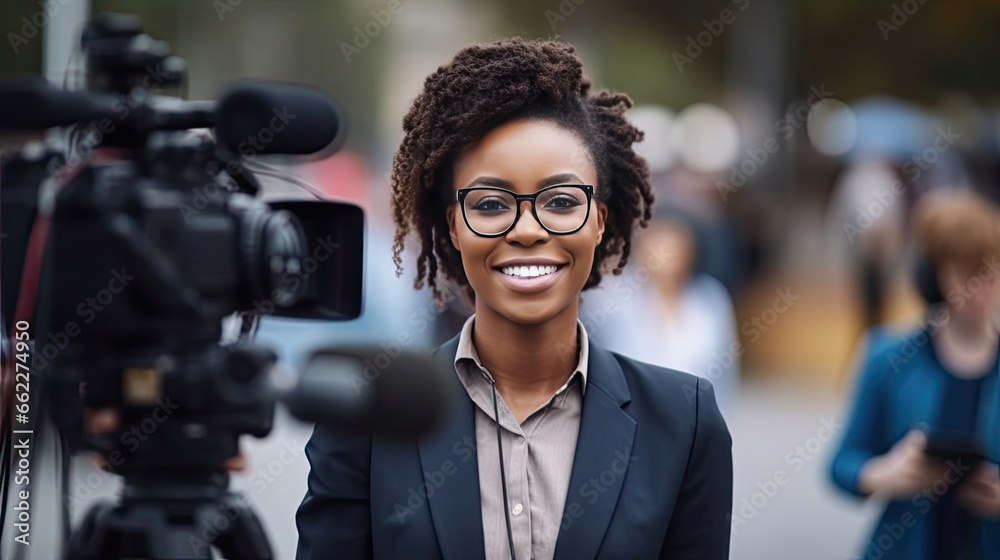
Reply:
x=371, y=390
x=255, y=117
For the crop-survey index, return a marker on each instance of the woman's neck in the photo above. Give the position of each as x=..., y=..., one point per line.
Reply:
x=528, y=362
x=967, y=346
x=669, y=292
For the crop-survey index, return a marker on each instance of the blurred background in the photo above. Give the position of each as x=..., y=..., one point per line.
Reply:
x=788, y=141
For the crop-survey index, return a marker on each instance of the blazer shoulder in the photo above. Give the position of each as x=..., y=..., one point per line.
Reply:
x=670, y=395
x=677, y=402
x=447, y=349
x=649, y=378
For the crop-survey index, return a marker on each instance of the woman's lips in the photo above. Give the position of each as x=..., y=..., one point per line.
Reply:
x=532, y=284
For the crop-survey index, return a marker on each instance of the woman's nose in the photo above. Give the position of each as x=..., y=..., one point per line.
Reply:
x=527, y=230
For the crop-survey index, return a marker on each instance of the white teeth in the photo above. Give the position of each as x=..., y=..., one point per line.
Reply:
x=528, y=271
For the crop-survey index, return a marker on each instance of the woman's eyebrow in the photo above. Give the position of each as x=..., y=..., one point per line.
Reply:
x=503, y=183
x=491, y=182
x=559, y=178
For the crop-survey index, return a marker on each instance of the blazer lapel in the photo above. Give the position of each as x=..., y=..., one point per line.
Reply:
x=455, y=504
x=603, y=453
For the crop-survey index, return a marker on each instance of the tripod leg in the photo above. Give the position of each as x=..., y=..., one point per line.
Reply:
x=241, y=535
x=89, y=540
x=139, y=530
x=171, y=530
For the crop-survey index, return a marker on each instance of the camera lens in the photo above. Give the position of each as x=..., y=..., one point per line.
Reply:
x=273, y=248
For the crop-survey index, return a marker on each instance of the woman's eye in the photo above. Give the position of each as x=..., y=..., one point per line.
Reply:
x=562, y=202
x=490, y=205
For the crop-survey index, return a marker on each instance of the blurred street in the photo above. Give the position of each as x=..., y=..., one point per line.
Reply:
x=775, y=429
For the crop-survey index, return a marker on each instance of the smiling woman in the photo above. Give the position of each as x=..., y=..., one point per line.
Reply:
x=522, y=188
x=498, y=233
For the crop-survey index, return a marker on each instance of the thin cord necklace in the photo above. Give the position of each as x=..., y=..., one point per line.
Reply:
x=503, y=476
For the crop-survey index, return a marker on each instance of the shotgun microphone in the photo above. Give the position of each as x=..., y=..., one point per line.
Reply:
x=364, y=389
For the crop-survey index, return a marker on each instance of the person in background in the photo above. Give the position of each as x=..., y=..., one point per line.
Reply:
x=927, y=402
x=873, y=243
x=663, y=311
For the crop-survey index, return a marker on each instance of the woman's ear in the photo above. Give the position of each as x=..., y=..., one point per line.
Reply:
x=452, y=227
x=602, y=216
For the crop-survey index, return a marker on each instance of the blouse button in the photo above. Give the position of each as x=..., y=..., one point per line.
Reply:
x=517, y=509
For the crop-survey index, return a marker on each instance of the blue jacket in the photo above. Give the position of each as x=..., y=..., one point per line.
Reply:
x=896, y=392
x=652, y=478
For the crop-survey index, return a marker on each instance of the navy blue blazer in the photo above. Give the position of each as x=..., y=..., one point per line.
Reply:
x=652, y=478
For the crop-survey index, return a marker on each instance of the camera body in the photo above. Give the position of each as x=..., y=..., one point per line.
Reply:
x=130, y=228
x=153, y=234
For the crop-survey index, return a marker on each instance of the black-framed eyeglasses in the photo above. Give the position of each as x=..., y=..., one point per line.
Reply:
x=492, y=211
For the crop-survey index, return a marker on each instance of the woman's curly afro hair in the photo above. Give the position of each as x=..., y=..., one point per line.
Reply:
x=483, y=87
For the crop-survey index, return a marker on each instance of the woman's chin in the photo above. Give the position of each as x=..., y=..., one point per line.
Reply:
x=529, y=313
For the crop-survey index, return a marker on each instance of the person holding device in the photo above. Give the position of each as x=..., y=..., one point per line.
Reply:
x=924, y=433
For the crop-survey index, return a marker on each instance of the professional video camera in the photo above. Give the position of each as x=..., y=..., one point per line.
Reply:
x=126, y=251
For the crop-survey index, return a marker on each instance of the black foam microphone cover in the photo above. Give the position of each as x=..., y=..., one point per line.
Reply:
x=363, y=389
x=257, y=117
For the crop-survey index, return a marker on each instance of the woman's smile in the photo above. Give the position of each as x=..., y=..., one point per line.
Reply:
x=521, y=276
